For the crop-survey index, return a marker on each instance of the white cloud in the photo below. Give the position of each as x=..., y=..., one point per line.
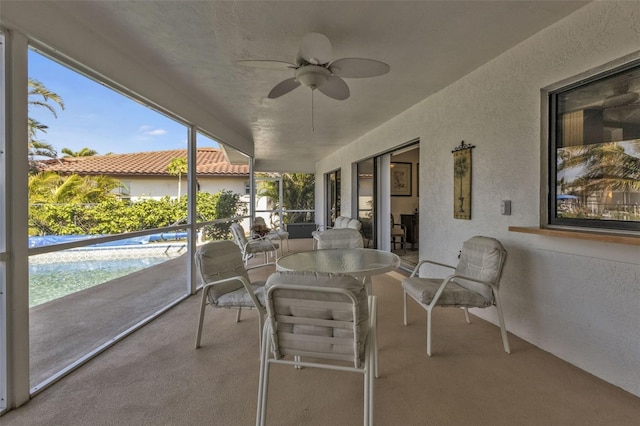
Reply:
x=150, y=131
x=156, y=132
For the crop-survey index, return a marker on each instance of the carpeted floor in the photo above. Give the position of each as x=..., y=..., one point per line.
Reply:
x=155, y=377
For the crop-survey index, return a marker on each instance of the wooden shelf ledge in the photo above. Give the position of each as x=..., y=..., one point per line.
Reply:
x=580, y=235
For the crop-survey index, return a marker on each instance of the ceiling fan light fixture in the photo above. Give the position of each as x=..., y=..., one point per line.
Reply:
x=312, y=76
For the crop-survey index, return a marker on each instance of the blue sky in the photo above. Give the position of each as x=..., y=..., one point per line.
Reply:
x=99, y=118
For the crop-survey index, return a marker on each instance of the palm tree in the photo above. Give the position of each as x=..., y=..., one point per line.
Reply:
x=40, y=96
x=603, y=168
x=298, y=193
x=177, y=167
x=84, y=152
x=50, y=187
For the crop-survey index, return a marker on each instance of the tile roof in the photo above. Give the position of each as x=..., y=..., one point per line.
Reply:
x=210, y=162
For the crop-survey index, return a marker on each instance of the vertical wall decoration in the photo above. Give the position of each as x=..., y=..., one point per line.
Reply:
x=462, y=181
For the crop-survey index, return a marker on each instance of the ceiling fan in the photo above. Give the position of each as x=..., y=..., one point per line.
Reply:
x=314, y=69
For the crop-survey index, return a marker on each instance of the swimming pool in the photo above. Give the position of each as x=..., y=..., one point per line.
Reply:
x=54, y=275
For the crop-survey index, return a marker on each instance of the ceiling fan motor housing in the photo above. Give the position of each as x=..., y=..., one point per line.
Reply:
x=312, y=76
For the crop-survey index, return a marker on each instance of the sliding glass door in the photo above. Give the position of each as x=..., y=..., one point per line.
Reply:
x=332, y=189
x=367, y=201
x=3, y=234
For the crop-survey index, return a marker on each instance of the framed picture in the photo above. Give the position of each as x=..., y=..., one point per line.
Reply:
x=462, y=182
x=401, y=179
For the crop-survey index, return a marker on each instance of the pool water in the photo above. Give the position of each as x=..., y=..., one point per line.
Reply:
x=49, y=280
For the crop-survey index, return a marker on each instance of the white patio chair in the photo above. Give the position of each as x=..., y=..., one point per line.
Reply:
x=254, y=245
x=339, y=238
x=226, y=283
x=318, y=316
x=276, y=233
x=474, y=283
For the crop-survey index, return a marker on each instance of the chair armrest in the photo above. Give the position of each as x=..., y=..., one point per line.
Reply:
x=422, y=262
x=262, y=265
x=464, y=277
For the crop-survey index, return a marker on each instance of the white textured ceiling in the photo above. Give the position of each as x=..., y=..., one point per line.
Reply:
x=429, y=45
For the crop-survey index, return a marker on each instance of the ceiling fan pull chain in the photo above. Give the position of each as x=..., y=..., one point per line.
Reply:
x=312, y=123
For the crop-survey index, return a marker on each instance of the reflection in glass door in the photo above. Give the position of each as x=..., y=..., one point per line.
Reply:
x=366, y=201
x=332, y=181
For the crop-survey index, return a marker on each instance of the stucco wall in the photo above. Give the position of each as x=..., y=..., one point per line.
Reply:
x=576, y=299
x=168, y=187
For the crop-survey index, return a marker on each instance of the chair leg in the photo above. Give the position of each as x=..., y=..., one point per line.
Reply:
x=429, y=331
x=203, y=305
x=370, y=352
x=405, y=307
x=466, y=315
x=260, y=327
x=238, y=314
x=373, y=330
x=368, y=389
x=503, y=328
x=263, y=379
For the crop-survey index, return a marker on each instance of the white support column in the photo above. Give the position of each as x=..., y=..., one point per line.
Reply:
x=384, y=202
x=16, y=219
x=192, y=211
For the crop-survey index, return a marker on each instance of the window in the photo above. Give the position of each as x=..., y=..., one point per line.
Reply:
x=594, y=165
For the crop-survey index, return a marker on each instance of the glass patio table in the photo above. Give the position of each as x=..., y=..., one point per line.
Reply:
x=357, y=262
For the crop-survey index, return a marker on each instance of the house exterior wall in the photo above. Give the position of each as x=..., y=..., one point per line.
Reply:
x=576, y=299
x=159, y=187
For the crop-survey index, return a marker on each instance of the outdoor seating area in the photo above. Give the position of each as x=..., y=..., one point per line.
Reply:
x=247, y=200
x=220, y=379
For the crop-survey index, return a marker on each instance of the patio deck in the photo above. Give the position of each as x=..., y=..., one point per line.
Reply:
x=154, y=376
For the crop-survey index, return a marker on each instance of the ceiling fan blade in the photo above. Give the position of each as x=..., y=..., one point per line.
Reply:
x=358, y=68
x=267, y=64
x=315, y=48
x=283, y=88
x=335, y=88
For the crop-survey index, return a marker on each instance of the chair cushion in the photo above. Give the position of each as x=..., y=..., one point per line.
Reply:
x=240, y=297
x=238, y=234
x=354, y=224
x=315, y=279
x=481, y=258
x=219, y=260
x=343, y=222
x=424, y=289
x=339, y=238
x=397, y=232
x=340, y=222
x=277, y=234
